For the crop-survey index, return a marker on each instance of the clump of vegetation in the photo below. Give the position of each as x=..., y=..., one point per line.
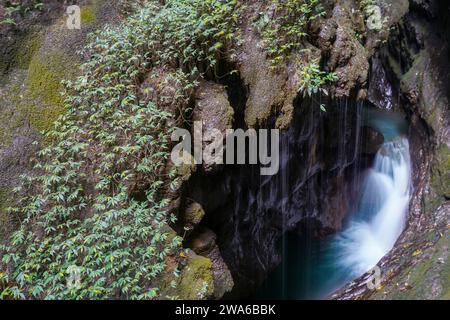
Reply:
x=83, y=232
x=4, y=218
x=312, y=79
x=372, y=11
x=364, y=4
x=14, y=9
x=285, y=31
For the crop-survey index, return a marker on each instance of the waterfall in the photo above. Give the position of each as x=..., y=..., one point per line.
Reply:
x=314, y=267
x=381, y=215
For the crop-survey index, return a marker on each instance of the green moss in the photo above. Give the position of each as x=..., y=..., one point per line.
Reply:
x=194, y=214
x=428, y=273
x=30, y=45
x=194, y=282
x=411, y=78
x=196, y=279
x=21, y=52
x=441, y=172
x=10, y=101
x=428, y=279
x=45, y=103
x=185, y=170
x=88, y=15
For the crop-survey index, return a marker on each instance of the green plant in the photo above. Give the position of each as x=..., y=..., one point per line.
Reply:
x=83, y=232
x=363, y=4
x=13, y=9
x=312, y=80
x=285, y=31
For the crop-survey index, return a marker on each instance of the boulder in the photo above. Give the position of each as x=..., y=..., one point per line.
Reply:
x=193, y=215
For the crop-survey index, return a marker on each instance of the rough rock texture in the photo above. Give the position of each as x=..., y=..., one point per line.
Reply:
x=250, y=213
x=203, y=242
x=321, y=152
x=265, y=85
x=202, y=272
x=193, y=215
x=347, y=56
x=271, y=91
x=213, y=108
x=196, y=279
x=428, y=275
x=193, y=282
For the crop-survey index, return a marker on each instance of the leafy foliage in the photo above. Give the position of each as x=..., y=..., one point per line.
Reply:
x=13, y=9
x=284, y=32
x=82, y=232
x=312, y=79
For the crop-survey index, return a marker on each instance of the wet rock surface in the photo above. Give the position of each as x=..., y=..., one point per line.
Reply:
x=250, y=213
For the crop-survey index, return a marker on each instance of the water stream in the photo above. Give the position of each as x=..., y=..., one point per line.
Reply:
x=312, y=269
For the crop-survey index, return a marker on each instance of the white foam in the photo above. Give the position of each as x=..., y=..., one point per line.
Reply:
x=386, y=194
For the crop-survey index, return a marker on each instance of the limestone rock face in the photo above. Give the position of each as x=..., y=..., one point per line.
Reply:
x=213, y=109
x=265, y=85
x=200, y=277
x=271, y=89
x=193, y=280
x=427, y=277
x=203, y=241
x=348, y=57
x=249, y=213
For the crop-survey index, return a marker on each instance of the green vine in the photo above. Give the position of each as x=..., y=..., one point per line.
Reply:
x=284, y=31
x=83, y=235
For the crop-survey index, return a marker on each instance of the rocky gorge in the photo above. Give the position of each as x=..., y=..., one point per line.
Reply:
x=230, y=221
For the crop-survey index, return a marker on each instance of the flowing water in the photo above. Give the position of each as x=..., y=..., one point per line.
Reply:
x=313, y=269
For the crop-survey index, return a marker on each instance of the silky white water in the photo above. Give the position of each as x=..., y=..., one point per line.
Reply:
x=382, y=210
x=313, y=269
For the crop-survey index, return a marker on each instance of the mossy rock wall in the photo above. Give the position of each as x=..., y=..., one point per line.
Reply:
x=441, y=172
x=30, y=91
x=196, y=279
x=43, y=102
